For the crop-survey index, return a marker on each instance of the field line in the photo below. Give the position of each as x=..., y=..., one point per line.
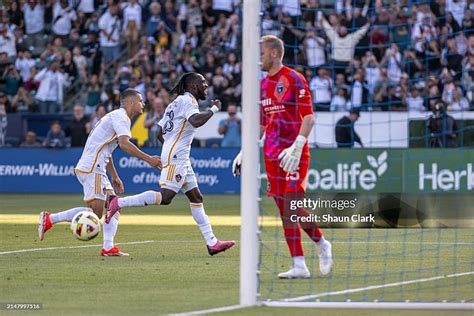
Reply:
x=374, y=287
x=211, y=310
x=73, y=247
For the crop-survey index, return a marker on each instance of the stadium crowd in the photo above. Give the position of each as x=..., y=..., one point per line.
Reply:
x=59, y=55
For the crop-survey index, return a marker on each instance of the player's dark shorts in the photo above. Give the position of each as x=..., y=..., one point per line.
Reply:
x=281, y=182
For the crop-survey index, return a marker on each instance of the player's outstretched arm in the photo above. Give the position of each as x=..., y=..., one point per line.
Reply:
x=198, y=120
x=127, y=146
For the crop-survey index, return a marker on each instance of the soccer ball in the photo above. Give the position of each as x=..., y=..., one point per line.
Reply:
x=85, y=225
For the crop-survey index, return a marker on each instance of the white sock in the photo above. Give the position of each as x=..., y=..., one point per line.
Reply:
x=299, y=263
x=142, y=199
x=199, y=215
x=110, y=230
x=66, y=216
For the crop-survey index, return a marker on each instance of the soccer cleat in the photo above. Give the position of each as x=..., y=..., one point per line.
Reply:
x=113, y=252
x=220, y=246
x=325, y=257
x=44, y=224
x=295, y=273
x=112, y=208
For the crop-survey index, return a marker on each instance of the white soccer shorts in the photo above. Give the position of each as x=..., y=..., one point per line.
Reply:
x=95, y=185
x=177, y=177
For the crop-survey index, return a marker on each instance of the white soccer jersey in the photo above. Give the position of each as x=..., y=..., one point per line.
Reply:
x=102, y=141
x=178, y=133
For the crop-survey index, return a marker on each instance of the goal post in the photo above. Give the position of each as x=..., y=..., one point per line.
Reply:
x=249, y=246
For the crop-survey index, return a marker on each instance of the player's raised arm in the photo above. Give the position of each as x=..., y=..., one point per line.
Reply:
x=198, y=120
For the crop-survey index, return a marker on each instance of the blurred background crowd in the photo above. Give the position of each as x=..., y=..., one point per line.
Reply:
x=76, y=56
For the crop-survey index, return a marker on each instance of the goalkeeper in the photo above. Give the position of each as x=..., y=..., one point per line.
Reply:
x=287, y=120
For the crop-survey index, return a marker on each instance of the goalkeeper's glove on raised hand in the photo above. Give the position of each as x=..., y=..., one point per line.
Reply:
x=290, y=157
x=237, y=164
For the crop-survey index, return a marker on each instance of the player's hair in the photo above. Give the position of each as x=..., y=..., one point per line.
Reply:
x=183, y=83
x=128, y=93
x=275, y=43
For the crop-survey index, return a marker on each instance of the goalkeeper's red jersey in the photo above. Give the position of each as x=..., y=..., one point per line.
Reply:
x=286, y=99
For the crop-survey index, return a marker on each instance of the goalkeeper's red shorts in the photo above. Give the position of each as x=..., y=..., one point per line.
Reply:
x=281, y=182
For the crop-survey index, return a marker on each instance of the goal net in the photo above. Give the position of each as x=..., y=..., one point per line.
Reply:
x=399, y=212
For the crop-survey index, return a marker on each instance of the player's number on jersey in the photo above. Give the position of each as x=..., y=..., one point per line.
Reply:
x=169, y=125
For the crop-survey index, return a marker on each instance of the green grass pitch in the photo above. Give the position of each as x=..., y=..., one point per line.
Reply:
x=171, y=272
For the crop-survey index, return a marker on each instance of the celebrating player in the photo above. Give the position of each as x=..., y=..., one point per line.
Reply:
x=176, y=133
x=96, y=160
x=287, y=120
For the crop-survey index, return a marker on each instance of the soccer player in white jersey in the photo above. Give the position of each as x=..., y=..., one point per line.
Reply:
x=96, y=161
x=177, y=128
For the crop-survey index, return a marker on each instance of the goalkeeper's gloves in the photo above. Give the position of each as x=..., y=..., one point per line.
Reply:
x=237, y=164
x=290, y=157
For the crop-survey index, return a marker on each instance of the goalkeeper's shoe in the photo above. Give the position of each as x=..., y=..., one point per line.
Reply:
x=112, y=208
x=325, y=256
x=45, y=224
x=295, y=273
x=113, y=252
x=220, y=246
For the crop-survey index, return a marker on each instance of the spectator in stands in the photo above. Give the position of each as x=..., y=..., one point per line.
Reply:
x=459, y=102
x=77, y=129
x=315, y=46
x=154, y=19
x=346, y=135
x=339, y=102
x=24, y=63
x=414, y=101
x=30, y=141
x=7, y=43
x=100, y=112
x=358, y=93
x=55, y=137
x=50, y=92
x=109, y=24
x=343, y=44
x=231, y=128
x=321, y=88
x=151, y=121
x=63, y=19
x=132, y=21
x=22, y=101
x=34, y=24
x=68, y=67
x=3, y=123
x=12, y=78
x=6, y=103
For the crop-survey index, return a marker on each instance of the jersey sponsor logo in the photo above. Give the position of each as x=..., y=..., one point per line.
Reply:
x=302, y=93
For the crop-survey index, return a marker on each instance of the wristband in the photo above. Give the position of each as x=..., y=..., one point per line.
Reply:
x=214, y=109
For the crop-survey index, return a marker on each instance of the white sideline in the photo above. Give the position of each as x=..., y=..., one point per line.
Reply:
x=373, y=287
x=73, y=247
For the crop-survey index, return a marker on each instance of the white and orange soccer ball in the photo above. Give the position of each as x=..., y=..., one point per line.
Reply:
x=85, y=225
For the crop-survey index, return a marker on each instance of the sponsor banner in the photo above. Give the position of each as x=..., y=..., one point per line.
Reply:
x=391, y=170
x=52, y=170
x=331, y=170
